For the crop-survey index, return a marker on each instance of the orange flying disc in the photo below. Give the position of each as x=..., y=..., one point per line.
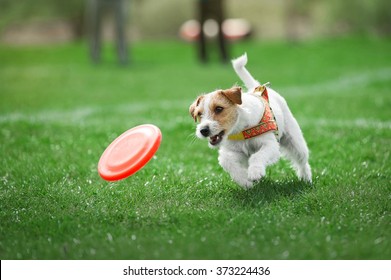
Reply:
x=130, y=152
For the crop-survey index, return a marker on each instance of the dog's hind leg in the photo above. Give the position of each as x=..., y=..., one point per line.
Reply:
x=295, y=149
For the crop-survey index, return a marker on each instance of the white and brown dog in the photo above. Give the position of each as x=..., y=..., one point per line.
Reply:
x=250, y=129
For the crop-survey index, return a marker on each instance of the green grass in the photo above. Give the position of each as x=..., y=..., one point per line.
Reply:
x=58, y=113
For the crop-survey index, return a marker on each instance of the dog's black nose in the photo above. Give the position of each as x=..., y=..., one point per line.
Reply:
x=205, y=131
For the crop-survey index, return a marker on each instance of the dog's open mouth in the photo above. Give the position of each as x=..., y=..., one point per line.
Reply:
x=216, y=139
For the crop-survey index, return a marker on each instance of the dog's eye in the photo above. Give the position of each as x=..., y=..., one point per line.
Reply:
x=218, y=109
x=199, y=116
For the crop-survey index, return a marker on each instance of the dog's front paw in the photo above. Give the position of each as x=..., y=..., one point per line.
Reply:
x=244, y=183
x=247, y=184
x=256, y=172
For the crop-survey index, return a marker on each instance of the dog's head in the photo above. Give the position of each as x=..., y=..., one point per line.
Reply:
x=217, y=113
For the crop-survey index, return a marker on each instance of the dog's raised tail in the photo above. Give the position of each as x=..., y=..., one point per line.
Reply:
x=240, y=69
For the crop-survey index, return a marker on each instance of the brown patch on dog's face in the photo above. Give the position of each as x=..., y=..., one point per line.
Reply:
x=223, y=107
x=195, y=109
x=217, y=113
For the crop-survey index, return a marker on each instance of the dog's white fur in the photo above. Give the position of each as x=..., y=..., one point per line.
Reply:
x=246, y=160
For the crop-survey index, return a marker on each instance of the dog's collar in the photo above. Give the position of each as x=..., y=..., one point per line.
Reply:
x=267, y=123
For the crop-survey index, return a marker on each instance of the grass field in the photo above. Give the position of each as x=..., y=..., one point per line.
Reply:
x=58, y=113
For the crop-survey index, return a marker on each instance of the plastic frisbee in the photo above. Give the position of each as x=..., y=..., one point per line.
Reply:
x=130, y=152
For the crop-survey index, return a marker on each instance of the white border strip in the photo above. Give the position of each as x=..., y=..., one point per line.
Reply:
x=303, y=270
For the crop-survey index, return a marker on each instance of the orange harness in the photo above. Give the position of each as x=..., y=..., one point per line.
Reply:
x=267, y=123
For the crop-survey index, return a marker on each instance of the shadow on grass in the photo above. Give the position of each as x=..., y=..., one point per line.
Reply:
x=268, y=191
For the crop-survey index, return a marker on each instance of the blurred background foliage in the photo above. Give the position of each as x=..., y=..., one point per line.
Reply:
x=151, y=19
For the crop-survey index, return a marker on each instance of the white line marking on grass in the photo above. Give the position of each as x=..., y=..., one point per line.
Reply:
x=85, y=116
x=350, y=81
x=50, y=116
x=93, y=115
x=357, y=123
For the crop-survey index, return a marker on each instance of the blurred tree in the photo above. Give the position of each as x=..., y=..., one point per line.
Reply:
x=74, y=12
x=161, y=18
x=383, y=17
x=363, y=16
x=71, y=11
x=297, y=15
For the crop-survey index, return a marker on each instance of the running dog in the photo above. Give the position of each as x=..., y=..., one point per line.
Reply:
x=251, y=129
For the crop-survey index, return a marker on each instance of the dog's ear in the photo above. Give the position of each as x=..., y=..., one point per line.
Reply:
x=233, y=94
x=192, y=109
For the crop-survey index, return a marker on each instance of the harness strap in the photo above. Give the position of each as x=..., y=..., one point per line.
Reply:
x=266, y=124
